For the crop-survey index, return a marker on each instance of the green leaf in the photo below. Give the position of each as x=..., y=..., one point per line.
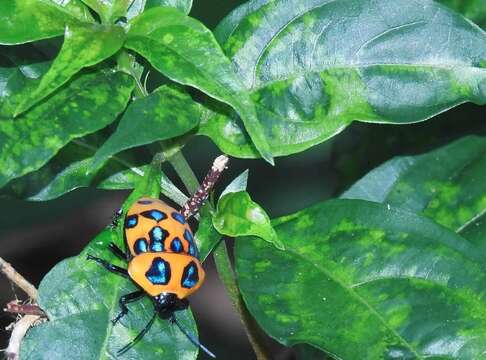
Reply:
x=84, y=45
x=362, y=281
x=183, y=5
x=445, y=184
x=238, y=184
x=164, y=114
x=23, y=21
x=474, y=10
x=84, y=106
x=206, y=236
x=312, y=67
x=238, y=215
x=15, y=81
x=80, y=298
x=67, y=171
x=184, y=50
x=109, y=10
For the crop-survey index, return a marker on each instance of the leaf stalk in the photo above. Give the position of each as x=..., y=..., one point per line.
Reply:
x=223, y=265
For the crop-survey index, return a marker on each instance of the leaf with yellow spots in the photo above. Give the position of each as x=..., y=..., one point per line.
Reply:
x=446, y=184
x=23, y=21
x=313, y=67
x=84, y=45
x=238, y=215
x=86, y=105
x=360, y=280
x=185, y=51
x=164, y=114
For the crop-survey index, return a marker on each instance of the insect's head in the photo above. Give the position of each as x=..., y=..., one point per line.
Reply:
x=167, y=303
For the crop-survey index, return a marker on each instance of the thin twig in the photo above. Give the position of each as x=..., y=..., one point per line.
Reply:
x=20, y=328
x=18, y=279
x=195, y=202
x=13, y=350
x=221, y=257
x=14, y=307
x=227, y=276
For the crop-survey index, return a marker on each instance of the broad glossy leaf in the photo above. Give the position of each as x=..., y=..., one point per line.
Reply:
x=183, y=5
x=15, y=81
x=84, y=106
x=238, y=215
x=314, y=66
x=81, y=298
x=474, y=10
x=164, y=114
x=84, y=45
x=23, y=21
x=363, y=281
x=67, y=171
x=109, y=10
x=446, y=184
x=186, y=51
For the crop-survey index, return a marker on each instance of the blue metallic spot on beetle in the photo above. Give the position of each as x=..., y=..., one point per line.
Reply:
x=192, y=250
x=159, y=272
x=177, y=216
x=176, y=245
x=190, y=276
x=157, y=237
x=192, y=247
x=154, y=215
x=131, y=221
x=188, y=236
x=144, y=202
x=140, y=246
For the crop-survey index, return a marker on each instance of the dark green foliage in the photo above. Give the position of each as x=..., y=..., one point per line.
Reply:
x=392, y=270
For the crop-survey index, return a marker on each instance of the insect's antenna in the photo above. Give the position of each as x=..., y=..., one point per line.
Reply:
x=138, y=337
x=191, y=337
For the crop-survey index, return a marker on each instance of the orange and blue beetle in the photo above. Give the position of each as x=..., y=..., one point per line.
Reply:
x=162, y=256
x=163, y=261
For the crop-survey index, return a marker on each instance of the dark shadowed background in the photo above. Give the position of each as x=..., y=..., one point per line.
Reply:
x=35, y=236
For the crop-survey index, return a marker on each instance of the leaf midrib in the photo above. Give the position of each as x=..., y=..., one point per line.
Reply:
x=358, y=66
x=360, y=299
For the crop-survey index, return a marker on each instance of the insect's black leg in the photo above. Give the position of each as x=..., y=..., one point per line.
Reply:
x=138, y=337
x=124, y=300
x=110, y=267
x=118, y=252
x=115, y=219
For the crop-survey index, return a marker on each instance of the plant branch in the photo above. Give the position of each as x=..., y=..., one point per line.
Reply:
x=18, y=279
x=195, y=202
x=15, y=307
x=20, y=328
x=223, y=263
x=13, y=350
x=227, y=276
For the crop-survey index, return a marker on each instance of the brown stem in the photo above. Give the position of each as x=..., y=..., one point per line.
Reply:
x=193, y=205
x=227, y=276
x=13, y=350
x=18, y=279
x=14, y=307
x=20, y=328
